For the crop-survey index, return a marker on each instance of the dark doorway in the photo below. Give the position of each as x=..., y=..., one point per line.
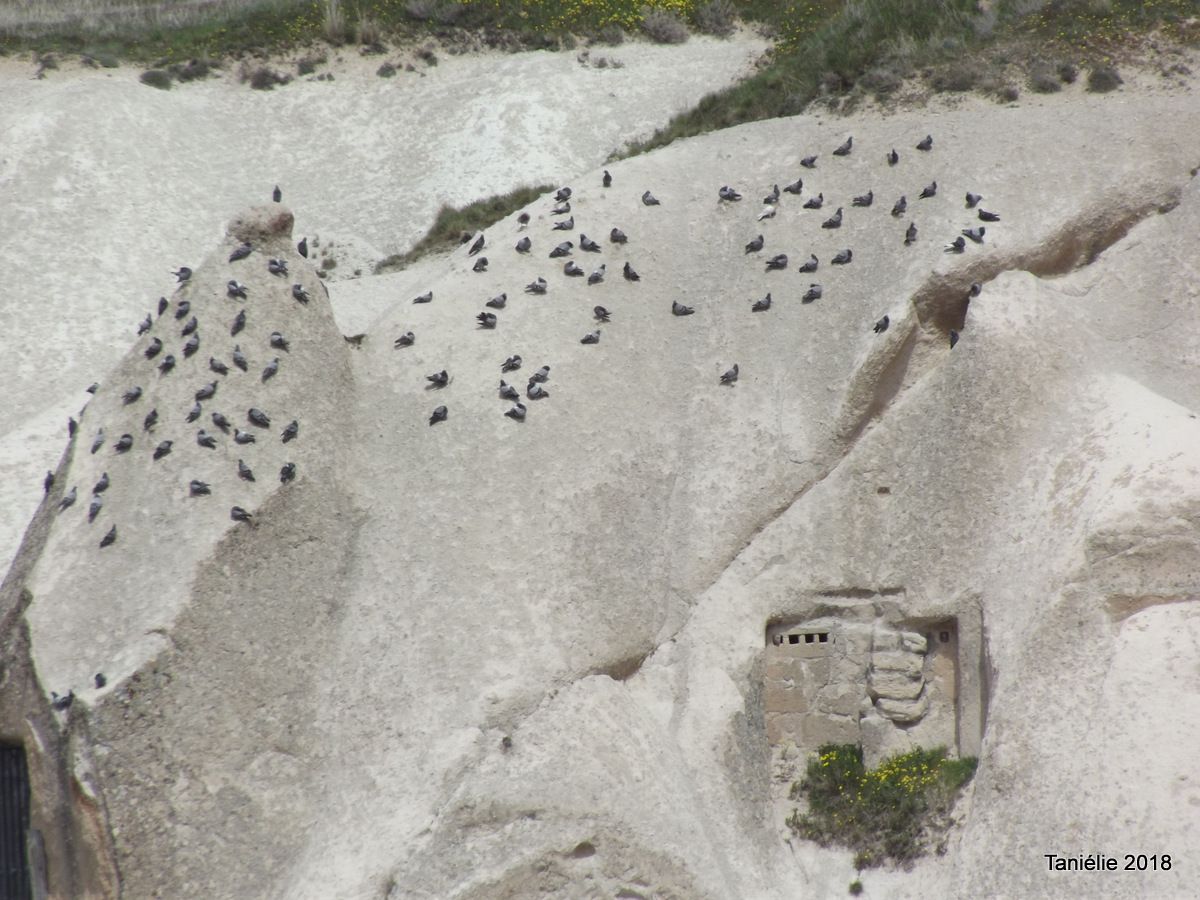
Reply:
x=14, y=824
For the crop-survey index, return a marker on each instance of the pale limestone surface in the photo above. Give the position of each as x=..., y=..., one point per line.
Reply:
x=322, y=705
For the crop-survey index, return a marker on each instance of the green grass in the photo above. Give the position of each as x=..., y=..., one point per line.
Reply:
x=452, y=222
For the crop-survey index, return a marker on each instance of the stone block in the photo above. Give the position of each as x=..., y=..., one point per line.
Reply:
x=785, y=700
x=885, y=640
x=820, y=729
x=895, y=685
x=898, y=661
x=913, y=642
x=903, y=711
x=785, y=727
x=839, y=699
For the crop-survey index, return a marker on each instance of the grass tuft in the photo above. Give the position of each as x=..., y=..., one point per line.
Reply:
x=663, y=27
x=1102, y=79
x=156, y=78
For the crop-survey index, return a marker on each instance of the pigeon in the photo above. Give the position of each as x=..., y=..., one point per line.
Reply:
x=535, y=391
x=62, y=704
x=973, y=200
x=102, y=485
x=48, y=482
x=67, y=499
x=729, y=194
x=258, y=417
x=592, y=337
x=239, y=515
x=94, y=508
x=151, y=420
x=243, y=437
x=779, y=261
x=240, y=252
x=834, y=221
x=220, y=421
x=299, y=293
x=975, y=234
x=564, y=225
x=649, y=199
x=900, y=207
x=910, y=234
x=235, y=289
x=541, y=376
x=523, y=219
x=498, y=301
x=563, y=193
x=601, y=314
x=767, y=213
x=516, y=412
x=204, y=439
x=865, y=200
x=678, y=309
x=477, y=246
x=538, y=286
x=124, y=442
x=167, y=364
x=207, y=391
x=163, y=449
x=182, y=309
x=217, y=366
x=762, y=305
x=893, y=157
x=617, y=236
x=811, y=265
x=813, y=293
x=985, y=216
x=507, y=391
x=100, y=680
x=292, y=430
x=755, y=245
x=882, y=325
x=239, y=322
x=563, y=249
x=287, y=473
x=524, y=244
x=809, y=162
x=481, y=264
x=239, y=358
x=815, y=202
x=439, y=415
x=629, y=274
x=198, y=488
x=976, y=287
x=844, y=150
x=93, y=387
x=772, y=198
x=277, y=194
x=424, y=298
x=486, y=320
x=99, y=440
x=72, y=427
x=279, y=342
x=953, y=338
x=571, y=269
x=926, y=143
x=162, y=305
x=438, y=379
x=843, y=258
x=302, y=247
x=795, y=187
x=562, y=209
x=182, y=274
x=956, y=246
x=929, y=191
x=244, y=471
x=146, y=324
x=131, y=396
x=731, y=375
x=598, y=275
x=405, y=340
x=194, y=413
x=191, y=346
x=607, y=179
x=586, y=243
x=511, y=364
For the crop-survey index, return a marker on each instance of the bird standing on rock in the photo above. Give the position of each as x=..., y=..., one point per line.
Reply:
x=486, y=320
x=601, y=314
x=586, y=243
x=497, y=302
x=163, y=449
x=975, y=234
x=809, y=162
x=199, y=488
x=517, y=411
x=511, y=364
x=973, y=200
x=607, y=180
x=865, y=200
x=592, y=337
x=834, y=221
x=563, y=249
x=929, y=191
x=910, y=234
x=813, y=293
x=795, y=187
x=761, y=305
x=882, y=325
x=123, y=444
x=900, y=207
x=287, y=473
x=239, y=322
x=239, y=359
x=844, y=150
x=728, y=194
x=537, y=286
x=524, y=244
x=68, y=499
x=755, y=245
x=439, y=415
x=843, y=258
x=299, y=293
x=152, y=349
x=956, y=246
x=481, y=264
x=926, y=143
x=811, y=265
x=649, y=199
x=258, y=417
x=424, y=298
x=893, y=157
x=110, y=538
x=235, y=289
x=678, y=309
x=629, y=274
x=507, y=391
x=477, y=246
x=239, y=515
x=240, y=252
x=405, y=340
x=815, y=202
x=564, y=225
x=289, y=433
x=617, y=236
x=167, y=364
x=778, y=261
x=279, y=342
x=438, y=379
x=731, y=375
x=598, y=275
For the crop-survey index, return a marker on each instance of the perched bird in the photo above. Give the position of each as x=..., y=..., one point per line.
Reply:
x=239, y=322
x=477, y=246
x=424, y=298
x=98, y=441
x=239, y=515
x=109, y=539
x=586, y=243
x=93, y=387
x=809, y=162
x=773, y=197
x=131, y=396
x=100, y=680
x=277, y=267
x=563, y=193
x=68, y=499
x=277, y=194
x=755, y=245
x=279, y=342
x=243, y=437
x=882, y=325
x=985, y=216
x=834, y=221
x=194, y=412
x=511, y=364
x=910, y=234
x=151, y=420
x=900, y=207
x=779, y=261
x=48, y=482
x=124, y=442
x=761, y=305
x=973, y=200
x=592, y=337
x=72, y=427
x=497, y=302
x=541, y=376
x=62, y=704
x=167, y=364
x=239, y=358
x=813, y=293
x=844, y=150
x=572, y=269
x=811, y=265
x=439, y=415
x=182, y=309
x=287, y=473
x=926, y=143
x=162, y=305
x=649, y=199
x=601, y=314
x=974, y=290
x=405, y=340
x=299, y=293
x=562, y=209
x=206, y=440
x=629, y=274
x=190, y=326
x=244, y=471
x=893, y=157
x=597, y=276
x=292, y=430
x=865, y=200
x=235, y=289
x=564, y=225
x=517, y=411
x=815, y=202
x=258, y=417
x=182, y=274
x=486, y=320
x=162, y=449
x=481, y=264
x=240, y=252
x=207, y=391
x=563, y=249
x=535, y=391
x=607, y=179
x=438, y=379
x=198, y=488
x=795, y=187
x=191, y=345
x=537, y=286
x=729, y=194
x=678, y=309
x=843, y=258
x=956, y=246
x=524, y=244
x=617, y=236
x=302, y=247
x=767, y=213
x=102, y=485
x=146, y=324
x=953, y=338
x=523, y=219
x=507, y=391
x=731, y=375
x=929, y=191
x=975, y=234
x=221, y=422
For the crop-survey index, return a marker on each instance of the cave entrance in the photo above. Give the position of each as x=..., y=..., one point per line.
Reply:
x=14, y=823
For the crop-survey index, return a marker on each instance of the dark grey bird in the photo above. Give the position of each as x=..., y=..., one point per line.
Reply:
x=217, y=366
x=809, y=162
x=755, y=245
x=617, y=236
x=761, y=305
x=957, y=245
x=601, y=314
x=975, y=234
x=204, y=439
x=607, y=179
x=98, y=441
x=523, y=219
x=270, y=369
x=592, y=337
x=586, y=243
x=239, y=322
x=207, y=391
x=191, y=345
x=277, y=194
x=882, y=325
x=163, y=448
x=62, y=704
x=535, y=391
x=953, y=338
x=524, y=244
x=239, y=358
x=511, y=364
x=973, y=200
x=277, y=267
x=844, y=150
x=865, y=200
x=124, y=442
x=926, y=143
x=497, y=302
x=102, y=485
x=929, y=190
x=778, y=261
x=893, y=157
x=68, y=499
x=292, y=430
x=302, y=247
x=629, y=274
x=279, y=342
x=834, y=221
x=108, y=540
x=561, y=209
x=843, y=258
x=900, y=207
x=486, y=320
x=243, y=437
x=182, y=274
x=424, y=298
x=72, y=427
x=678, y=309
x=244, y=471
x=48, y=482
x=146, y=324
x=194, y=412
x=541, y=376
x=975, y=288
x=516, y=412
x=563, y=193
x=235, y=289
x=811, y=265
x=439, y=415
x=910, y=234
x=564, y=225
x=258, y=417
x=649, y=199
x=538, y=286
x=182, y=309
x=299, y=293
x=597, y=276
x=507, y=391
x=198, y=488
x=572, y=269
x=795, y=187
x=93, y=387
x=481, y=264
x=221, y=422
x=563, y=249
x=985, y=216
x=438, y=379
x=731, y=375
x=772, y=198
x=405, y=340
x=162, y=305
x=240, y=252
x=477, y=246
x=167, y=364
x=151, y=420
x=815, y=202
x=287, y=473
x=239, y=515
x=725, y=192
x=813, y=293
x=131, y=396
x=100, y=680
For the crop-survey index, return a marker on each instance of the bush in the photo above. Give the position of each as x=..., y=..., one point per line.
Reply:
x=957, y=77
x=715, y=17
x=881, y=81
x=387, y=70
x=1044, y=81
x=156, y=78
x=192, y=70
x=306, y=65
x=444, y=12
x=368, y=32
x=610, y=35
x=1103, y=79
x=264, y=79
x=663, y=26
x=426, y=55
x=1067, y=72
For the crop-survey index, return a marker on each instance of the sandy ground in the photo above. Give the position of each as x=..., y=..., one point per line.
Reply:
x=106, y=185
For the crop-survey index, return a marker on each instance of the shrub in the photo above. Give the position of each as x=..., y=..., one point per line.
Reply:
x=882, y=80
x=957, y=77
x=156, y=78
x=444, y=12
x=610, y=35
x=192, y=70
x=1043, y=81
x=265, y=78
x=368, y=32
x=333, y=21
x=426, y=55
x=306, y=65
x=715, y=17
x=663, y=26
x=1067, y=72
x=1103, y=79
x=856, y=887
x=387, y=70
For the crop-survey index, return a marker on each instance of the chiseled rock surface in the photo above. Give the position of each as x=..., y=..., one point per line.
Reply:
x=490, y=659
